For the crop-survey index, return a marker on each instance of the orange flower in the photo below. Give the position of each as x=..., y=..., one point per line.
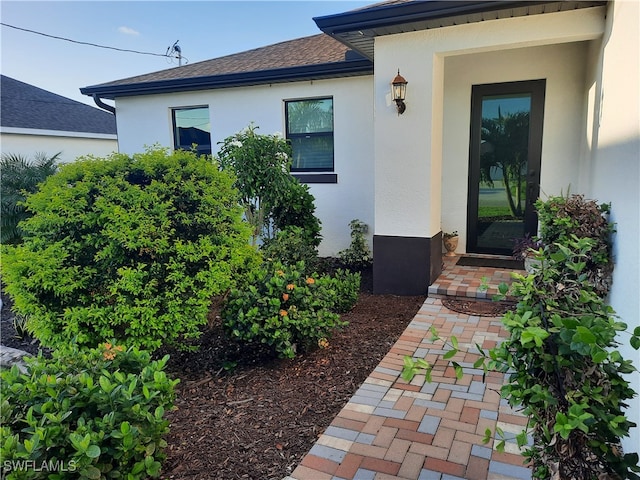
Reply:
x=285, y=297
x=283, y=313
x=323, y=343
x=310, y=281
x=291, y=286
x=110, y=354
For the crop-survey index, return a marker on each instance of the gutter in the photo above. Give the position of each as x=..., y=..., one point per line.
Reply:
x=243, y=79
x=409, y=12
x=57, y=133
x=101, y=104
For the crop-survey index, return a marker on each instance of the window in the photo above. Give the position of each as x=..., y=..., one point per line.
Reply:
x=310, y=129
x=192, y=125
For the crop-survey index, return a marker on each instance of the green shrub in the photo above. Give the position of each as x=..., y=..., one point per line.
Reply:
x=562, y=217
x=284, y=309
x=271, y=197
x=289, y=247
x=295, y=208
x=20, y=177
x=131, y=248
x=91, y=414
x=358, y=255
x=564, y=369
x=342, y=290
x=564, y=372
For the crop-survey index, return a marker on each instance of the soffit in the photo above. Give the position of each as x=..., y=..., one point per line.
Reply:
x=358, y=28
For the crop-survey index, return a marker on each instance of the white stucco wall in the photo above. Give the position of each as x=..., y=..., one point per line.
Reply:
x=72, y=146
x=414, y=151
x=563, y=66
x=146, y=120
x=614, y=137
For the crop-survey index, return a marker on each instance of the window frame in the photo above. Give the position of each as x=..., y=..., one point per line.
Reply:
x=306, y=171
x=201, y=149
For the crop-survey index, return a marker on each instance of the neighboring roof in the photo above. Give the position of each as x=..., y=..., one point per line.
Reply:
x=358, y=28
x=29, y=107
x=309, y=58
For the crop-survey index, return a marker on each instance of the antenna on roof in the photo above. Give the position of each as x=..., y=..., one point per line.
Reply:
x=175, y=48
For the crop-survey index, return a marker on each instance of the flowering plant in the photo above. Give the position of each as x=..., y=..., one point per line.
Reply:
x=289, y=310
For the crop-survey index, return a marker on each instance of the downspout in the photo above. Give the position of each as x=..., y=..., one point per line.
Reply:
x=103, y=105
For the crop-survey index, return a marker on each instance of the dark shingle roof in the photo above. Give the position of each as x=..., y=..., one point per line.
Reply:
x=25, y=106
x=315, y=57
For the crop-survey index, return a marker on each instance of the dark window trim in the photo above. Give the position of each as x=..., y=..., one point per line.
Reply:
x=316, y=178
x=290, y=136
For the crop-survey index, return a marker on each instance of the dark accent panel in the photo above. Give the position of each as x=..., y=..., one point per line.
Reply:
x=401, y=265
x=436, y=257
x=316, y=178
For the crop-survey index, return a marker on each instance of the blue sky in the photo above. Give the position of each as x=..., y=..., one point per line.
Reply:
x=205, y=29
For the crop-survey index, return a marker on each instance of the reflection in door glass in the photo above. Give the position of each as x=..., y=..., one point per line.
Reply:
x=504, y=147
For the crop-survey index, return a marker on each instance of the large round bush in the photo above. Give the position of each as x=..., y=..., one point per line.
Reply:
x=130, y=248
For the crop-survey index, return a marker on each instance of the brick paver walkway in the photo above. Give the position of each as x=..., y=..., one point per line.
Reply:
x=472, y=282
x=430, y=431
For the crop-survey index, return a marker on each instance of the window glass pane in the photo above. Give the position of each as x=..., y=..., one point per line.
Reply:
x=312, y=153
x=310, y=130
x=192, y=125
x=310, y=116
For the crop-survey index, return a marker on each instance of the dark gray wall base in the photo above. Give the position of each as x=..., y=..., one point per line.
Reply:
x=405, y=265
x=436, y=258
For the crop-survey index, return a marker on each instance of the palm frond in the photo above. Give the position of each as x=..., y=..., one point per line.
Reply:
x=20, y=177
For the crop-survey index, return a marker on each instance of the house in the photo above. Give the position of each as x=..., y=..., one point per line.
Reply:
x=34, y=120
x=570, y=67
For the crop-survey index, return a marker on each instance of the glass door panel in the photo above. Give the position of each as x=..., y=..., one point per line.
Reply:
x=504, y=140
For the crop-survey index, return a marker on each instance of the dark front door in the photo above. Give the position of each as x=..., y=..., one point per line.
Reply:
x=504, y=164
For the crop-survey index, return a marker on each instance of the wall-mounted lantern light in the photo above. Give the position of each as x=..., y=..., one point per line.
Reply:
x=398, y=92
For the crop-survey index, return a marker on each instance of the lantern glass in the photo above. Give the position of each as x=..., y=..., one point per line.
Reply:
x=399, y=91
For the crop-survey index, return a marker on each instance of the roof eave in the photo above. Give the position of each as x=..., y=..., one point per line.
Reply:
x=357, y=28
x=244, y=79
x=407, y=12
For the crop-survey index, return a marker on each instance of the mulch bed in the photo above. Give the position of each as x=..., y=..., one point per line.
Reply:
x=8, y=332
x=243, y=415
